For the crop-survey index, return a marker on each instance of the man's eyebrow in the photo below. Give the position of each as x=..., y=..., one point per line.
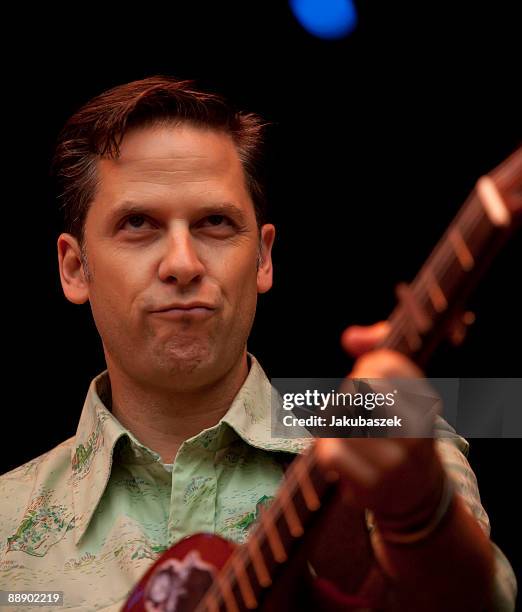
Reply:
x=220, y=208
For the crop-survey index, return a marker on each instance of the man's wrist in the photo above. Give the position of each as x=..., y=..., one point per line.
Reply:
x=411, y=531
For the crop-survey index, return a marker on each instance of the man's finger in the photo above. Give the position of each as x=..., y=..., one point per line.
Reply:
x=358, y=339
x=334, y=454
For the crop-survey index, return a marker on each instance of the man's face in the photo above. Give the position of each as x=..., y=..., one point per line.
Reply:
x=172, y=225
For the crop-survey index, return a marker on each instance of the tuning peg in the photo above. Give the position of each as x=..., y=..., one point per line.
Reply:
x=459, y=327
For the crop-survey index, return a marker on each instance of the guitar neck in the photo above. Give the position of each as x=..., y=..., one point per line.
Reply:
x=277, y=533
x=429, y=305
x=425, y=309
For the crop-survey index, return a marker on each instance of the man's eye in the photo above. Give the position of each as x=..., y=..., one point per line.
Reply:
x=216, y=220
x=135, y=221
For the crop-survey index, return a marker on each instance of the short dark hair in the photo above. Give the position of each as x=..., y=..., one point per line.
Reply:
x=97, y=129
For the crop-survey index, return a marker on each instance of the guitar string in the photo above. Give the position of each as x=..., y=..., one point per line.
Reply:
x=441, y=259
x=400, y=319
x=444, y=256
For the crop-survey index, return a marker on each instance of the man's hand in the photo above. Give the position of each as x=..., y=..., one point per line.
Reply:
x=399, y=479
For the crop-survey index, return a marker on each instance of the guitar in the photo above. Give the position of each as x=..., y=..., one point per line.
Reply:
x=205, y=573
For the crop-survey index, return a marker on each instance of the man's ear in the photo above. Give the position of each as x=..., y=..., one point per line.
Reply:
x=72, y=273
x=264, y=269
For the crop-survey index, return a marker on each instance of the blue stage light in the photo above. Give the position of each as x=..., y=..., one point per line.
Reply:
x=329, y=19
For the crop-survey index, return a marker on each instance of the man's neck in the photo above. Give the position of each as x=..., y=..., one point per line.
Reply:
x=163, y=419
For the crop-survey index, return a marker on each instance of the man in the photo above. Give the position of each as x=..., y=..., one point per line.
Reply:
x=167, y=241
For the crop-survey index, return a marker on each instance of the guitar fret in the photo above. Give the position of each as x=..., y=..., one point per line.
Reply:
x=274, y=539
x=227, y=594
x=464, y=238
x=461, y=249
x=210, y=603
x=437, y=297
x=292, y=519
x=307, y=489
x=455, y=257
x=244, y=584
x=258, y=561
x=446, y=267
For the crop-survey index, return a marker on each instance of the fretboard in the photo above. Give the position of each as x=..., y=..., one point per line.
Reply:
x=278, y=531
x=426, y=307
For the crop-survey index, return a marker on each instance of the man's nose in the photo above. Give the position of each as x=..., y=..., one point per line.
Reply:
x=180, y=262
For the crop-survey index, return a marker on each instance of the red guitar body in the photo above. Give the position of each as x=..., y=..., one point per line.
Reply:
x=180, y=578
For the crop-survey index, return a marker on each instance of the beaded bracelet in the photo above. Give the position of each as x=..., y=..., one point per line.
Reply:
x=409, y=537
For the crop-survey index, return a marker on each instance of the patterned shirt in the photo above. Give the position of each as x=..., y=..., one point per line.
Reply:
x=90, y=516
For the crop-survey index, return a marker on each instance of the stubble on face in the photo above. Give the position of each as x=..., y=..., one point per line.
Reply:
x=183, y=350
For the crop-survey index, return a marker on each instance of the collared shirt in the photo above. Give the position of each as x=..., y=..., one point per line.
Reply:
x=89, y=517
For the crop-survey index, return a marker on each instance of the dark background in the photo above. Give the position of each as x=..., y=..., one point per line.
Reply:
x=376, y=142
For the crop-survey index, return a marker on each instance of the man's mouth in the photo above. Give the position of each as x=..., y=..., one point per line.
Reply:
x=195, y=313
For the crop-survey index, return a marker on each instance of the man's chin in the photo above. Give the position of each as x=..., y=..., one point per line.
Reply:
x=186, y=360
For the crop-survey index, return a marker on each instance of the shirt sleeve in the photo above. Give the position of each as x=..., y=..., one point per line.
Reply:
x=453, y=451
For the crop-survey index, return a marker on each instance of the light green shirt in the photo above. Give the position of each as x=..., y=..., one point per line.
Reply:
x=90, y=516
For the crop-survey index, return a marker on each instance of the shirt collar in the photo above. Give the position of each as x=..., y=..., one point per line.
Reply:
x=101, y=439
x=250, y=414
x=97, y=439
